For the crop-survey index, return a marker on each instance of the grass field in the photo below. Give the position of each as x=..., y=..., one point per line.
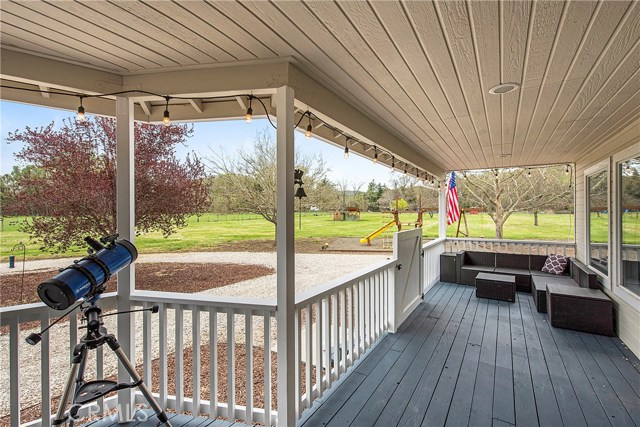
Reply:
x=210, y=230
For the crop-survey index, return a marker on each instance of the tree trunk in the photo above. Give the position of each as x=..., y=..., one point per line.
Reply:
x=535, y=218
x=499, y=228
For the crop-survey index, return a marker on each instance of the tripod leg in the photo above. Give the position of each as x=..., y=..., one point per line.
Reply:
x=143, y=387
x=68, y=389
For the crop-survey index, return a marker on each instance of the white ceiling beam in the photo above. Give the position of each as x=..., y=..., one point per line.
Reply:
x=240, y=100
x=197, y=105
x=36, y=70
x=44, y=91
x=318, y=124
x=146, y=107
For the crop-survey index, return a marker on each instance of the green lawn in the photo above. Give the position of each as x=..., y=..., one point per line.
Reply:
x=211, y=230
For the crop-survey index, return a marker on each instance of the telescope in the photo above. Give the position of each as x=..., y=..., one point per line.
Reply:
x=86, y=278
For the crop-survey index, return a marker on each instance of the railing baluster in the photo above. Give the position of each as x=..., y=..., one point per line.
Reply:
x=179, y=358
x=14, y=372
x=248, y=330
x=195, y=358
x=213, y=362
x=343, y=336
x=336, y=337
x=162, y=355
x=361, y=316
x=146, y=345
x=45, y=372
x=351, y=325
x=309, y=358
x=298, y=352
x=231, y=370
x=367, y=315
x=326, y=307
x=267, y=368
x=318, y=350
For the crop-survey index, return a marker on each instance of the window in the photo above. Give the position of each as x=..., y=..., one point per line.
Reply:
x=597, y=185
x=629, y=194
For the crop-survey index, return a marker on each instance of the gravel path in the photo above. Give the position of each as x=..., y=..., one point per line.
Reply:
x=311, y=270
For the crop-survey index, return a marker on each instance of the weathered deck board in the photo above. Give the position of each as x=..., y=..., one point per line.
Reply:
x=467, y=361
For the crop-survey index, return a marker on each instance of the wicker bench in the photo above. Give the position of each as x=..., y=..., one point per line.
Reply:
x=580, y=309
x=496, y=286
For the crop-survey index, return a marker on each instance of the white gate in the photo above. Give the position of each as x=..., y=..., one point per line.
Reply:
x=407, y=249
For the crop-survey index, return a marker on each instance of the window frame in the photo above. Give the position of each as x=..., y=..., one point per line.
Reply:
x=589, y=172
x=625, y=294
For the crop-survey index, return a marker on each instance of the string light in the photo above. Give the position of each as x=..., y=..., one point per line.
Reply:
x=417, y=173
x=166, y=120
x=432, y=181
x=375, y=154
x=247, y=117
x=393, y=162
x=495, y=172
x=566, y=171
x=628, y=166
x=346, y=149
x=80, y=118
x=308, y=132
x=529, y=172
x=405, y=169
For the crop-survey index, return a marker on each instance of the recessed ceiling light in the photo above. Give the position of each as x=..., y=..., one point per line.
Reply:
x=503, y=88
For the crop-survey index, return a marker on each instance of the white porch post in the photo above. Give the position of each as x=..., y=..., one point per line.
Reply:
x=285, y=253
x=125, y=211
x=442, y=210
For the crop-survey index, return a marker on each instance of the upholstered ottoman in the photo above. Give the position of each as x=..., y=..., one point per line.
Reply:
x=496, y=286
x=580, y=309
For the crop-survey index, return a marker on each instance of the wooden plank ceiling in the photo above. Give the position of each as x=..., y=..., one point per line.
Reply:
x=422, y=69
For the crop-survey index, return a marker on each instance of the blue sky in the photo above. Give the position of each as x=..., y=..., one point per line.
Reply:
x=219, y=135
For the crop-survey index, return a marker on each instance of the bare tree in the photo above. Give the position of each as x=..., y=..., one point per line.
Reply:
x=503, y=192
x=246, y=180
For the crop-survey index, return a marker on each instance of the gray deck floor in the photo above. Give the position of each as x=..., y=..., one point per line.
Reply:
x=147, y=418
x=459, y=361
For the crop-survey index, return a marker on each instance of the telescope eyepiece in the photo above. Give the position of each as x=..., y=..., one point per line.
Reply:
x=33, y=338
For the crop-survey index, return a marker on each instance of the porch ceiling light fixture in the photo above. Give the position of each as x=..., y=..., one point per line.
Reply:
x=247, y=117
x=309, y=127
x=567, y=171
x=81, y=118
x=503, y=88
x=346, y=148
x=166, y=120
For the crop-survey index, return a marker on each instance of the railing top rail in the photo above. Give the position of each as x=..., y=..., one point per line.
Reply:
x=320, y=291
x=33, y=311
x=201, y=300
x=533, y=242
x=435, y=242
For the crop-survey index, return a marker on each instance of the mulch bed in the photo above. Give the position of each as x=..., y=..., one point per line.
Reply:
x=160, y=276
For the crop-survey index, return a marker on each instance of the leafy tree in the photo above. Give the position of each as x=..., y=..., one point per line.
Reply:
x=71, y=190
x=247, y=179
x=373, y=195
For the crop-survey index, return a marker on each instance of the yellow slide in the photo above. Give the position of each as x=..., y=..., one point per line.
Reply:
x=376, y=233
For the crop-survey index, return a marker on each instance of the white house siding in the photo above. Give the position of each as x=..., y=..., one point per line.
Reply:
x=627, y=317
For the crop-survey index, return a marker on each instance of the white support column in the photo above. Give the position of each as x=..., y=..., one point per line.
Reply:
x=125, y=221
x=285, y=253
x=442, y=210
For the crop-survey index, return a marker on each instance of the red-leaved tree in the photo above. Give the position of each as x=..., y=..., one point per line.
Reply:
x=73, y=193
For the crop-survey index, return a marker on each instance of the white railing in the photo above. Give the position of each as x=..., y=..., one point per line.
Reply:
x=431, y=263
x=535, y=247
x=336, y=324
x=239, y=327
x=23, y=358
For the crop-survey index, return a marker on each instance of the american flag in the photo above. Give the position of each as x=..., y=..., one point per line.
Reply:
x=453, y=209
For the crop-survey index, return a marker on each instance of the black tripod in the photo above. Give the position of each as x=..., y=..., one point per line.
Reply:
x=89, y=391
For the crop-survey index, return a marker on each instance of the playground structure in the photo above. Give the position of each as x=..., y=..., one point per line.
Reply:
x=347, y=214
x=396, y=221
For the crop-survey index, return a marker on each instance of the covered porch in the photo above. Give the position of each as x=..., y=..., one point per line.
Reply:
x=416, y=86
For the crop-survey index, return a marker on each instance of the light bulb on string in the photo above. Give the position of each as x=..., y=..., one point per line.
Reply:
x=566, y=171
x=529, y=173
x=417, y=173
x=393, y=162
x=166, y=120
x=247, y=117
x=309, y=128
x=81, y=117
x=405, y=169
x=375, y=154
x=346, y=149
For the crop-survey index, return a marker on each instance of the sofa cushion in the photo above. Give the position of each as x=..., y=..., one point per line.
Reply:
x=480, y=258
x=555, y=264
x=484, y=268
x=513, y=261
